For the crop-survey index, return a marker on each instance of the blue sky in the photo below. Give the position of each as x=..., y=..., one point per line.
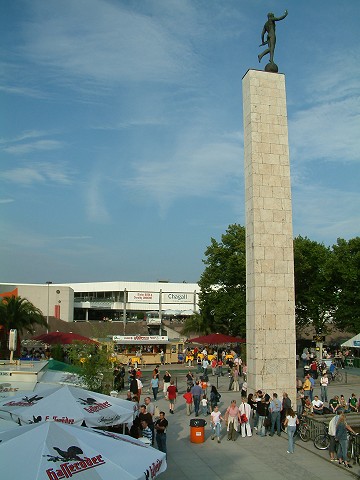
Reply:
x=121, y=140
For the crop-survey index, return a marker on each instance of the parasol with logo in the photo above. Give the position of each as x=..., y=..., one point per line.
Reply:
x=56, y=451
x=66, y=404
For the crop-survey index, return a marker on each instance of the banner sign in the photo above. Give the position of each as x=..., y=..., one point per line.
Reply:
x=139, y=338
x=178, y=297
x=143, y=297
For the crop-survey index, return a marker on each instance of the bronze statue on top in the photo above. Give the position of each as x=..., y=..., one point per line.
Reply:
x=269, y=29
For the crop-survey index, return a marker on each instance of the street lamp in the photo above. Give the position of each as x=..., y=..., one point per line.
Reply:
x=48, y=307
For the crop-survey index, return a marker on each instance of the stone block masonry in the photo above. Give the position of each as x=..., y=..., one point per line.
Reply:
x=270, y=297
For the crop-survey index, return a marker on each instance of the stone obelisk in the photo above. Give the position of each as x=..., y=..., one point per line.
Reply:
x=270, y=315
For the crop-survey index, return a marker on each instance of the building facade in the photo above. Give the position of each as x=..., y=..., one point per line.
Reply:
x=110, y=301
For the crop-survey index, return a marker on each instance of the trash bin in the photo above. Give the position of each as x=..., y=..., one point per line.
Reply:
x=197, y=430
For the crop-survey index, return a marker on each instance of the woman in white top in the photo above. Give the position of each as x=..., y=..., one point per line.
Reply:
x=290, y=422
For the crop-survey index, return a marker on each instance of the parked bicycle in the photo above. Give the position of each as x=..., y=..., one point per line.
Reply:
x=322, y=440
x=338, y=376
x=354, y=449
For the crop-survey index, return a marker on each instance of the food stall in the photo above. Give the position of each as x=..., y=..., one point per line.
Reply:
x=145, y=350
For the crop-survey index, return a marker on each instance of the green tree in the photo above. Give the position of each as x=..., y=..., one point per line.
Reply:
x=20, y=314
x=222, y=299
x=195, y=325
x=345, y=275
x=315, y=298
x=95, y=365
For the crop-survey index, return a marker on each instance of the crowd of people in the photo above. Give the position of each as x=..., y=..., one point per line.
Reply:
x=257, y=413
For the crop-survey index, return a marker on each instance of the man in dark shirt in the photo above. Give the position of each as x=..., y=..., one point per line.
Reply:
x=196, y=393
x=160, y=428
x=144, y=415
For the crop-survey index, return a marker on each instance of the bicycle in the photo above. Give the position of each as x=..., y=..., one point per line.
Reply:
x=303, y=429
x=338, y=376
x=322, y=440
x=353, y=449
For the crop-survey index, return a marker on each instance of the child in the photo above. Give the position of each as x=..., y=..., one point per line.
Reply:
x=204, y=405
x=216, y=423
x=204, y=386
x=189, y=400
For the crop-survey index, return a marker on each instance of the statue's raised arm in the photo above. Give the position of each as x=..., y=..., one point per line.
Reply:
x=282, y=16
x=269, y=30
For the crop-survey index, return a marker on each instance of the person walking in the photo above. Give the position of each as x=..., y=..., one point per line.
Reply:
x=245, y=413
x=232, y=417
x=160, y=426
x=332, y=434
x=196, y=393
x=275, y=410
x=171, y=394
x=166, y=380
x=188, y=401
x=155, y=386
x=216, y=419
x=291, y=421
x=341, y=435
x=235, y=373
x=214, y=397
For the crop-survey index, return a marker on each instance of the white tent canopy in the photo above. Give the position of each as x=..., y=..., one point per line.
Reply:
x=353, y=342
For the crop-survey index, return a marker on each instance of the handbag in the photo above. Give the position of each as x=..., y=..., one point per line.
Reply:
x=267, y=422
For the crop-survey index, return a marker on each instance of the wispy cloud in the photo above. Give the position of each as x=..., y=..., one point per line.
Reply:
x=327, y=124
x=199, y=168
x=6, y=200
x=33, y=173
x=106, y=46
x=75, y=237
x=320, y=212
x=95, y=204
x=23, y=91
x=40, y=145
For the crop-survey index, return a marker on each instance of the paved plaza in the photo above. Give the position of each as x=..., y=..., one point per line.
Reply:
x=250, y=458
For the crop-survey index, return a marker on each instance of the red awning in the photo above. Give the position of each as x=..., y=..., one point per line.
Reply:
x=62, y=338
x=216, y=339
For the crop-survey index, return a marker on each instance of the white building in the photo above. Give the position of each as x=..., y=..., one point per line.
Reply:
x=115, y=301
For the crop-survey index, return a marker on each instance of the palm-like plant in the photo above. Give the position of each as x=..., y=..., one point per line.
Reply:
x=20, y=314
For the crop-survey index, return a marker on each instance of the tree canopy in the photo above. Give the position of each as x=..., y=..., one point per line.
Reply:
x=315, y=299
x=20, y=314
x=345, y=276
x=327, y=285
x=222, y=299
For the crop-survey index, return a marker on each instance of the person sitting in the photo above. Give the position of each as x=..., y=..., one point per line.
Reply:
x=318, y=406
x=308, y=407
x=334, y=404
x=353, y=403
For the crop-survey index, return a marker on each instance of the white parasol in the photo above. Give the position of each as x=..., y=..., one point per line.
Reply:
x=53, y=450
x=66, y=404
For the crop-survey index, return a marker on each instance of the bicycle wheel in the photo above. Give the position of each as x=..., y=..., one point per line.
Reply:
x=322, y=441
x=339, y=377
x=304, y=433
